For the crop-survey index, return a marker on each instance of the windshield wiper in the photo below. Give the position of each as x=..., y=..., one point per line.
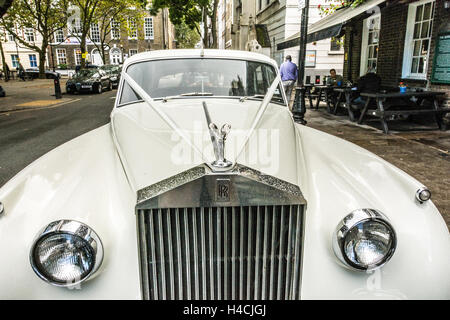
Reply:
x=242, y=99
x=191, y=94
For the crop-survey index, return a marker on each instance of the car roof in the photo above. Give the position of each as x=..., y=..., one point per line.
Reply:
x=192, y=53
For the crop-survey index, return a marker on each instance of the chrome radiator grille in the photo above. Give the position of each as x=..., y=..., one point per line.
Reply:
x=246, y=252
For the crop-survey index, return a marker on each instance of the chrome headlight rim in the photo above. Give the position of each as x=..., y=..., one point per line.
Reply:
x=76, y=229
x=348, y=223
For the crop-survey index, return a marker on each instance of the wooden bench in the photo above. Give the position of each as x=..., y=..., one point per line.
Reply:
x=387, y=105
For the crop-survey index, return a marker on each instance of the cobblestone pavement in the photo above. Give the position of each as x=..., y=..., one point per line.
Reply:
x=419, y=149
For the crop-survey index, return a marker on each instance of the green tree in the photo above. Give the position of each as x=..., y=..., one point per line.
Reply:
x=186, y=37
x=120, y=12
x=191, y=13
x=81, y=16
x=41, y=17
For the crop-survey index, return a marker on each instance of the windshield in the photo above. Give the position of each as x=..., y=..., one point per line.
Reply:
x=181, y=78
x=85, y=73
x=111, y=69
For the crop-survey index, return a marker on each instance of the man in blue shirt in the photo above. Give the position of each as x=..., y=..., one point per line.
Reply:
x=289, y=74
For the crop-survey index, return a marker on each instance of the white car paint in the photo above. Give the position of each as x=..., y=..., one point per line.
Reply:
x=84, y=179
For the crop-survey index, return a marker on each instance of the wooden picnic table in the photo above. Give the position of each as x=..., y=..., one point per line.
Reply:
x=387, y=105
x=344, y=99
x=322, y=95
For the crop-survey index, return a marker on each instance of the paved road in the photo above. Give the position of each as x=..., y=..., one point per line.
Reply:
x=26, y=135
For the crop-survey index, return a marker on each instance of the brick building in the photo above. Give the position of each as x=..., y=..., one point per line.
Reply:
x=123, y=41
x=399, y=38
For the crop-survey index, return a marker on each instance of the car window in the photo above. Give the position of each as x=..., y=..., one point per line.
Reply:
x=211, y=77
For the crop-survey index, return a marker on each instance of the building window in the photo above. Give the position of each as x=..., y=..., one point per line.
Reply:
x=115, y=56
x=59, y=36
x=15, y=60
x=61, y=56
x=11, y=37
x=77, y=53
x=133, y=52
x=370, y=41
x=132, y=29
x=33, y=60
x=418, y=39
x=115, y=29
x=29, y=35
x=95, y=32
x=148, y=28
x=336, y=44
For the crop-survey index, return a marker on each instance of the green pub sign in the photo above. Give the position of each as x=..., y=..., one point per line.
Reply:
x=441, y=64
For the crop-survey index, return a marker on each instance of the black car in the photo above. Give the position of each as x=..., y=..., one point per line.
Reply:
x=89, y=80
x=114, y=72
x=33, y=73
x=2, y=92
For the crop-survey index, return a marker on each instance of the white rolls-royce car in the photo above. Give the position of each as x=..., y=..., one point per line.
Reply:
x=203, y=187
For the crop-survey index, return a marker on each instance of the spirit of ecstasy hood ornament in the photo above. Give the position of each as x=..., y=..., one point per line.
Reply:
x=218, y=138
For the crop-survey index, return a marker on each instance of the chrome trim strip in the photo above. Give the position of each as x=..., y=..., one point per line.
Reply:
x=188, y=255
x=297, y=256
x=153, y=245
x=161, y=250
x=143, y=253
x=219, y=254
x=258, y=247
x=289, y=258
x=264, y=264
x=171, y=256
x=195, y=234
x=233, y=254
x=280, y=255
x=272, y=254
x=241, y=257
x=249, y=251
x=179, y=257
x=211, y=253
x=203, y=248
x=225, y=252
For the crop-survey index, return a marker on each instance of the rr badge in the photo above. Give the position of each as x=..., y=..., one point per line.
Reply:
x=223, y=190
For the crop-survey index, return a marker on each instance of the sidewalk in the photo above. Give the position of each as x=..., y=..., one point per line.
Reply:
x=420, y=150
x=29, y=94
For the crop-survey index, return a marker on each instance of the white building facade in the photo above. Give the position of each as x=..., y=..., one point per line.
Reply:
x=15, y=52
x=238, y=23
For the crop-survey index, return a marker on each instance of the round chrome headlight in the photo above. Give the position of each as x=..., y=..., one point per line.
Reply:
x=364, y=240
x=66, y=253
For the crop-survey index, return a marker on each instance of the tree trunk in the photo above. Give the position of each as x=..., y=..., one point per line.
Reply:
x=214, y=24
x=83, y=50
x=205, y=30
x=103, y=53
x=42, y=54
x=4, y=61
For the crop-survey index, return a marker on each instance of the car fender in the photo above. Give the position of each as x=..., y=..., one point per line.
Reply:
x=338, y=177
x=82, y=180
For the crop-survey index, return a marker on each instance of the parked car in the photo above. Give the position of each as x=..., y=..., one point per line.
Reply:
x=114, y=72
x=203, y=187
x=89, y=80
x=33, y=73
x=2, y=92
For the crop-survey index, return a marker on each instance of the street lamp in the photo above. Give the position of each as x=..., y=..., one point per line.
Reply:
x=299, y=107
